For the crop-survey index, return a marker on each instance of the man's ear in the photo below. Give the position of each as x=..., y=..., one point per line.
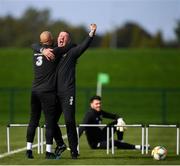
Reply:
x=91, y=105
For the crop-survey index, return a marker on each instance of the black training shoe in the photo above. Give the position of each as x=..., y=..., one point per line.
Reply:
x=74, y=155
x=50, y=155
x=29, y=154
x=59, y=150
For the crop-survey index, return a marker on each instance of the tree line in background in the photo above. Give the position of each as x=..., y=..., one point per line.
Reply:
x=22, y=32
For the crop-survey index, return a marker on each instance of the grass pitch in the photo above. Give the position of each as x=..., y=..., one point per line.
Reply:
x=129, y=69
x=164, y=137
x=134, y=68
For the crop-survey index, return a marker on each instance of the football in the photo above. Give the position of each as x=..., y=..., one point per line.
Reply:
x=159, y=153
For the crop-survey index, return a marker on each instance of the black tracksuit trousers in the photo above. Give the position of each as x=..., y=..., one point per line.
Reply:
x=67, y=106
x=45, y=101
x=101, y=139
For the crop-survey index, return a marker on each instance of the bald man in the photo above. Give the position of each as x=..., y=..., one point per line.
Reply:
x=46, y=38
x=43, y=96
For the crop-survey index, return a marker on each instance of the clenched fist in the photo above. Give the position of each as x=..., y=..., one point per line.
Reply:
x=93, y=28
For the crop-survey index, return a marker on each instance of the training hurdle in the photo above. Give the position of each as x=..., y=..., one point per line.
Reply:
x=20, y=125
x=163, y=126
x=133, y=126
x=108, y=133
x=41, y=142
x=77, y=128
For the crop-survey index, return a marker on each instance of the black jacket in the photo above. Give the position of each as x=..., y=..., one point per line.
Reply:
x=44, y=70
x=93, y=117
x=66, y=70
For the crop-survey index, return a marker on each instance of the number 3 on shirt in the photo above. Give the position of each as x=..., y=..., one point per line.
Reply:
x=39, y=61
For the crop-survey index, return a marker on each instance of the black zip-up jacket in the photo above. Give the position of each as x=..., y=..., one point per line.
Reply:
x=44, y=70
x=66, y=70
x=93, y=117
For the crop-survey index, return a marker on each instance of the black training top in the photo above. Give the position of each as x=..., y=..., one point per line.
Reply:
x=66, y=68
x=44, y=70
x=94, y=117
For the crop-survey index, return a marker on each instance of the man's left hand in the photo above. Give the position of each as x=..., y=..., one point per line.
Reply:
x=47, y=52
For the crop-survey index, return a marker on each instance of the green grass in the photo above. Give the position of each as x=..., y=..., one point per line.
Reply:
x=138, y=78
x=164, y=137
x=126, y=67
x=92, y=157
x=140, y=90
x=131, y=68
x=140, y=106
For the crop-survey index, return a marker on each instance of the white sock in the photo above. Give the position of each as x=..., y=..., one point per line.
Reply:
x=138, y=147
x=29, y=145
x=48, y=148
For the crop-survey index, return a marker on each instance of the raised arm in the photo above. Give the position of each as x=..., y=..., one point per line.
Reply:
x=78, y=50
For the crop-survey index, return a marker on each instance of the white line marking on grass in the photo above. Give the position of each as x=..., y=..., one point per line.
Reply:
x=23, y=149
x=15, y=151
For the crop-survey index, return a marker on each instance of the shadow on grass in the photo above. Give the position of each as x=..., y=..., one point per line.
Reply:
x=106, y=157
